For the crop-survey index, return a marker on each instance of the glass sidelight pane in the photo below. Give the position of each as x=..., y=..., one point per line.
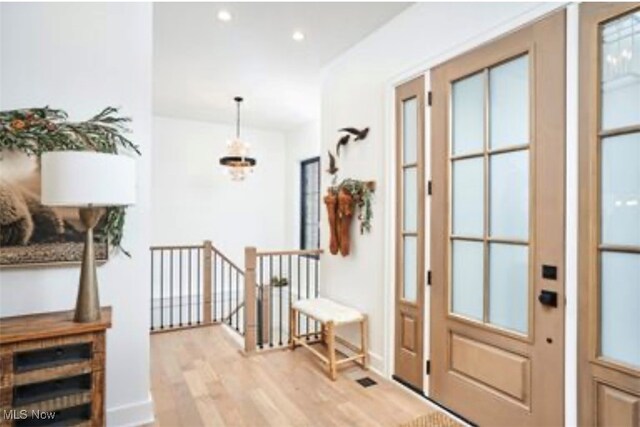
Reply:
x=468, y=197
x=467, y=278
x=620, y=307
x=410, y=131
x=509, y=103
x=621, y=190
x=410, y=191
x=509, y=286
x=509, y=195
x=410, y=268
x=620, y=72
x=468, y=115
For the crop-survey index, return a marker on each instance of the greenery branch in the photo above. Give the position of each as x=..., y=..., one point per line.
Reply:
x=362, y=193
x=279, y=282
x=34, y=131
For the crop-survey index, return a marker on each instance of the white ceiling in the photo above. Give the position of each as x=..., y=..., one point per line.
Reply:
x=201, y=63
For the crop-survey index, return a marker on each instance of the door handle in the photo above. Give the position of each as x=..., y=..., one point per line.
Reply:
x=548, y=298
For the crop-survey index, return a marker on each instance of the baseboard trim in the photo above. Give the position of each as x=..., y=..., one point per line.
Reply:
x=134, y=414
x=376, y=363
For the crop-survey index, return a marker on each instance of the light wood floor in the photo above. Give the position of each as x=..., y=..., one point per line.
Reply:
x=199, y=378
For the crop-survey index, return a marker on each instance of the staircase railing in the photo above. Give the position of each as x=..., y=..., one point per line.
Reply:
x=195, y=285
x=275, y=279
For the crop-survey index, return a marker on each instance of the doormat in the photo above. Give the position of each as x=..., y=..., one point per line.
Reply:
x=434, y=419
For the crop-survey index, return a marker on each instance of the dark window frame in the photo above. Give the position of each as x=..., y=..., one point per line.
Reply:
x=304, y=164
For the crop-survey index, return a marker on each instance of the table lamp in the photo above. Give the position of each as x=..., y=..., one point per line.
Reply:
x=90, y=181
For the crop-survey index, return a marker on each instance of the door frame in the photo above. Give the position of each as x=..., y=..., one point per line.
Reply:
x=590, y=364
x=384, y=363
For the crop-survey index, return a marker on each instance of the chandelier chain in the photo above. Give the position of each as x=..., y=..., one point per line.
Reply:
x=238, y=101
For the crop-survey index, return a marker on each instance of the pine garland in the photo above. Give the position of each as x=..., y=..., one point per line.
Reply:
x=37, y=130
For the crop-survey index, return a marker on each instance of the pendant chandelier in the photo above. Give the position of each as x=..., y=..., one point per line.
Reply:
x=237, y=160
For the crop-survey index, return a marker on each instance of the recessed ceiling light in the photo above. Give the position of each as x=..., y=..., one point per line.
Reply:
x=298, y=36
x=224, y=15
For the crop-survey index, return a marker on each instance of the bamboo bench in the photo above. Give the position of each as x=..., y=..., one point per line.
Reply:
x=330, y=314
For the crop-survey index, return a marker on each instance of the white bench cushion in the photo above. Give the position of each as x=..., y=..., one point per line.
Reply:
x=326, y=310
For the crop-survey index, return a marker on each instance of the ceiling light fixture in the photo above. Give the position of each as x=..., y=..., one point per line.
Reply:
x=224, y=15
x=237, y=160
x=298, y=36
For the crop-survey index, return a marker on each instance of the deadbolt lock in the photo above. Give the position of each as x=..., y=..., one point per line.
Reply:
x=548, y=298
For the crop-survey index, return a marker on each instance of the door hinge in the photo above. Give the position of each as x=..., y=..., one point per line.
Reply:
x=428, y=367
x=429, y=98
x=429, y=277
x=429, y=189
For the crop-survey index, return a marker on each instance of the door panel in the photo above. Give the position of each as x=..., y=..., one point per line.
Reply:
x=487, y=365
x=498, y=129
x=410, y=191
x=609, y=236
x=617, y=408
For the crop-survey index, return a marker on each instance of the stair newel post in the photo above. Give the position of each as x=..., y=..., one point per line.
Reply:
x=250, y=261
x=207, y=281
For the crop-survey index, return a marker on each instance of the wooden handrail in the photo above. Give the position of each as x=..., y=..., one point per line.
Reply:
x=292, y=252
x=233, y=264
x=213, y=248
x=227, y=260
x=169, y=247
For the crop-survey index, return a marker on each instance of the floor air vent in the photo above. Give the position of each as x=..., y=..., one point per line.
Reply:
x=366, y=382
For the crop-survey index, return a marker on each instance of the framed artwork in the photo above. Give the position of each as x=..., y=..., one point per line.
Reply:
x=32, y=234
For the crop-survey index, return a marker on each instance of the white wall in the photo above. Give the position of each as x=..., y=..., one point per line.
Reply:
x=81, y=58
x=356, y=93
x=193, y=199
x=302, y=143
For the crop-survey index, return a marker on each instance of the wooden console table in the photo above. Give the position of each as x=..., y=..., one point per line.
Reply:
x=52, y=370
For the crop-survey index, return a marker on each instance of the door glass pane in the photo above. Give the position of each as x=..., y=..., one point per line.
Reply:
x=508, y=286
x=621, y=72
x=621, y=190
x=620, y=307
x=509, y=195
x=410, y=207
x=468, y=115
x=467, y=277
x=509, y=103
x=468, y=197
x=409, y=130
x=410, y=268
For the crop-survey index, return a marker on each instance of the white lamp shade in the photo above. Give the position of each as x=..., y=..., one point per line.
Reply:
x=86, y=178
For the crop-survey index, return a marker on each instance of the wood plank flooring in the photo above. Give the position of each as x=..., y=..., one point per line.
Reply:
x=199, y=378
